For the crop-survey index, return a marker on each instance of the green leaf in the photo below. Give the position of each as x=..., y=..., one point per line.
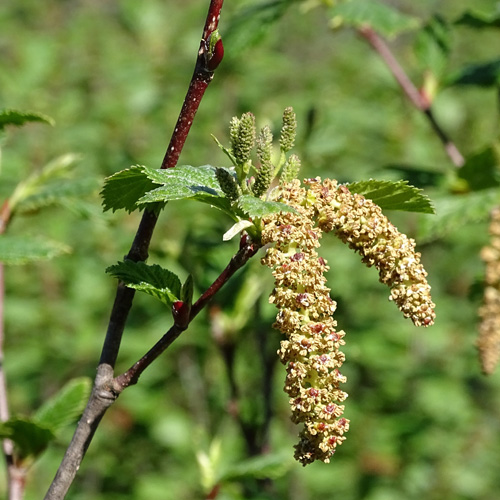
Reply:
x=481, y=170
x=182, y=182
x=18, y=118
x=23, y=249
x=453, y=212
x=475, y=19
x=123, y=189
x=30, y=438
x=65, y=406
x=151, y=279
x=393, y=195
x=483, y=75
x=187, y=182
x=272, y=466
x=255, y=207
x=432, y=45
x=384, y=19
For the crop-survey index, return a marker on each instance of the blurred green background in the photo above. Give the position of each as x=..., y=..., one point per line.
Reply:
x=424, y=422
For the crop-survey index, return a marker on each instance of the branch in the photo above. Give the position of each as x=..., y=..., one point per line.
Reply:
x=416, y=98
x=131, y=376
x=104, y=393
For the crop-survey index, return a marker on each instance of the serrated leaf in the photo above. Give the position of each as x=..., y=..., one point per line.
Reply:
x=483, y=75
x=393, y=195
x=187, y=182
x=272, y=466
x=123, y=189
x=385, y=20
x=454, y=211
x=151, y=279
x=30, y=438
x=182, y=182
x=255, y=207
x=65, y=406
x=481, y=170
x=18, y=118
x=475, y=19
x=23, y=249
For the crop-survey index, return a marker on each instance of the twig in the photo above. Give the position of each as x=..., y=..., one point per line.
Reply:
x=105, y=390
x=418, y=100
x=131, y=376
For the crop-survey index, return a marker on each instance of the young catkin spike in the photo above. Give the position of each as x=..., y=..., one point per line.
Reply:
x=311, y=350
x=290, y=169
x=488, y=342
x=227, y=183
x=288, y=130
x=242, y=136
x=264, y=150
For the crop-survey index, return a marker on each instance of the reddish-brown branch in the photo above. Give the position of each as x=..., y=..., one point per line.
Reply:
x=416, y=98
x=104, y=393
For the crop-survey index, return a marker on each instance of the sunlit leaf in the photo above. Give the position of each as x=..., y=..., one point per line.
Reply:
x=65, y=406
x=18, y=118
x=123, y=189
x=23, y=249
x=386, y=20
x=393, y=195
x=151, y=279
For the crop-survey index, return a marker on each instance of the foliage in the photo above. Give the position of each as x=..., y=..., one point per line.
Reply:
x=114, y=79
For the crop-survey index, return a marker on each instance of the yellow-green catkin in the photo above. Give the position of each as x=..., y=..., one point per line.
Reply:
x=311, y=350
x=488, y=342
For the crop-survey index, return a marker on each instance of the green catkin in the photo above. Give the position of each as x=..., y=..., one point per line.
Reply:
x=290, y=169
x=242, y=136
x=227, y=183
x=288, y=130
x=264, y=175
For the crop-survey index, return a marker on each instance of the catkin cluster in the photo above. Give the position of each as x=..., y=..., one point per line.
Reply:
x=488, y=342
x=311, y=350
